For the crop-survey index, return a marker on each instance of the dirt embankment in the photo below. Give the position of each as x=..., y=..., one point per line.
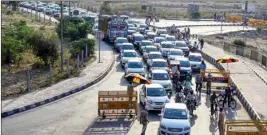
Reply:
x=253, y=39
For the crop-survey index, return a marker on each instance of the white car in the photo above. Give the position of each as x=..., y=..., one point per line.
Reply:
x=195, y=60
x=163, y=35
x=153, y=97
x=127, y=55
x=162, y=31
x=135, y=66
x=143, y=44
x=183, y=46
x=175, y=120
x=149, y=49
x=158, y=40
x=174, y=54
x=158, y=64
x=153, y=55
x=126, y=46
x=170, y=38
x=119, y=41
x=161, y=77
x=165, y=47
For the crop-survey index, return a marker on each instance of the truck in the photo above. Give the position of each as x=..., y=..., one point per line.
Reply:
x=112, y=27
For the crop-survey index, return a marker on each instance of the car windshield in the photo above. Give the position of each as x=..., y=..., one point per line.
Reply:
x=180, y=53
x=127, y=47
x=156, y=92
x=181, y=44
x=167, y=46
x=146, y=43
x=170, y=113
x=185, y=63
x=151, y=49
x=194, y=58
x=158, y=40
x=151, y=36
x=122, y=40
x=135, y=65
x=160, y=76
x=159, y=64
x=170, y=38
x=143, y=26
x=129, y=54
x=163, y=32
x=139, y=38
x=155, y=56
x=131, y=28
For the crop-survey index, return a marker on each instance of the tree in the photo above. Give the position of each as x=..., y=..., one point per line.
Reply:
x=11, y=49
x=105, y=8
x=14, y=5
x=194, y=15
x=77, y=46
x=45, y=47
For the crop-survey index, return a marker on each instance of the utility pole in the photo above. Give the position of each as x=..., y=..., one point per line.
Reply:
x=69, y=9
x=61, y=34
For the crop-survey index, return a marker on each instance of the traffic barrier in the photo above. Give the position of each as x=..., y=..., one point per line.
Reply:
x=60, y=96
x=253, y=114
x=181, y=26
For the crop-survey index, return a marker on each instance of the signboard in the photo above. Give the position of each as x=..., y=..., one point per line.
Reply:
x=99, y=35
x=192, y=8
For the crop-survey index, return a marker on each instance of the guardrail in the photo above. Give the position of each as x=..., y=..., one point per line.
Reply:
x=247, y=105
x=180, y=26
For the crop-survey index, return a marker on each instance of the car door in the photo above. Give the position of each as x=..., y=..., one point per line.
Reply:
x=142, y=95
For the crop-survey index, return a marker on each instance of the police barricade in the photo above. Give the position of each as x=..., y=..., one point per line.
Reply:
x=245, y=127
x=220, y=78
x=117, y=103
x=233, y=18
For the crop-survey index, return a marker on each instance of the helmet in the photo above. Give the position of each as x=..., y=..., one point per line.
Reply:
x=213, y=93
x=188, y=78
x=191, y=92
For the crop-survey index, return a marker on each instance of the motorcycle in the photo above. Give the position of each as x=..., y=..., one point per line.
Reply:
x=214, y=109
x=179, y=98
x=190, y=106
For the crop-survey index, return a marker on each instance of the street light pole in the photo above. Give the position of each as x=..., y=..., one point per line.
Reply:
x=61, y=35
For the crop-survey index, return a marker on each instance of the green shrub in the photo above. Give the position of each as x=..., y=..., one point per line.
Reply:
x=239, y=42
x=11, y=49
x=77, y=46
x=39, y=63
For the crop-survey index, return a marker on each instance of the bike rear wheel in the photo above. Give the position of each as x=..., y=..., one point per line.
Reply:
x=220, y=97
x=233, y=103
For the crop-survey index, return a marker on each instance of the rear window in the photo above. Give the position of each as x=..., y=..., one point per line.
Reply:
x=155, y=56
x=195, y=58
x=185, y=63
x=180, y=44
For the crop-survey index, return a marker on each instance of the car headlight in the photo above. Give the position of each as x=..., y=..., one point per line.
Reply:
x=163, y=126
x=187, y=128
x=167, y=101
x=149, y=101
x=170, y=86
x=189, y=71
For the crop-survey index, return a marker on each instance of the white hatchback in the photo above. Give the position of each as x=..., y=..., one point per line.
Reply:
x=153, y=96
x=175, y=120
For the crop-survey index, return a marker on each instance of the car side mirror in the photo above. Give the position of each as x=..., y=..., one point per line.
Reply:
x=160, y=114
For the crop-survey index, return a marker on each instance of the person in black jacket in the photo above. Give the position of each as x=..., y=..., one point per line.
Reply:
x=212, y=102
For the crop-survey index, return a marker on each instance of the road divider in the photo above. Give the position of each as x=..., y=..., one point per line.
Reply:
x=60, y=96
x=180, y=26
x=253, y=114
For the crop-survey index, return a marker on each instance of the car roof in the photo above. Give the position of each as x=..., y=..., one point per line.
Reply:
x=150, y=46
x=159, y=60
x=159, y=38
x=162, y=30
x=159, y=71
x=179, y=41
x=138, y=34
x=195, y=54
x=170, y=36
x=153, y=85
x=134, y=60
x=146, y=41
x=174, y=49
x=175, y=105
x=121, y=38
x=183, y=59
x=127, y=44
x=166, y=42
x=151, y=33
x=129, y=51
x=155, y=53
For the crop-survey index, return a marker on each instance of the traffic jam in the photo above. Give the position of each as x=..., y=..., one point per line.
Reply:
x=153, y=54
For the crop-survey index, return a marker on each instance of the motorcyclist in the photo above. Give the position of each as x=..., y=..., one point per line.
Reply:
x=191, y=97
x=199, y=81
x=203, y=65
x=187, y=84
x=209, y=80
x=227, y=95
x=213, y=102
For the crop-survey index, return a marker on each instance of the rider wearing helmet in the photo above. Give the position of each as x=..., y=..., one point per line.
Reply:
x=188, y=84
x=191, y=97
x=199, y=81
x=213, y=101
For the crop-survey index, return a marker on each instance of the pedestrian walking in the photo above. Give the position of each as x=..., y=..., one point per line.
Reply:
x=221, y=121
x=201, y=43
x=144, y=121
x=188, y=32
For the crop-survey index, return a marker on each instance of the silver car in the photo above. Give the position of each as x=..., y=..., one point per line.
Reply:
x=159, y=64
x=161, y=77
x=135, y=66
x=149, y=49
x=174, y=53
x=127, y=55
x=170, y=38
x=165, y=47
x=183, y=46
x=195, y=60
x=153, y=55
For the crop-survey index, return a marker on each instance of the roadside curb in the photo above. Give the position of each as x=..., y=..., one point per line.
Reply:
x=63, y=95
x=256, y=73
x=179, y=26
x=252, y=113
